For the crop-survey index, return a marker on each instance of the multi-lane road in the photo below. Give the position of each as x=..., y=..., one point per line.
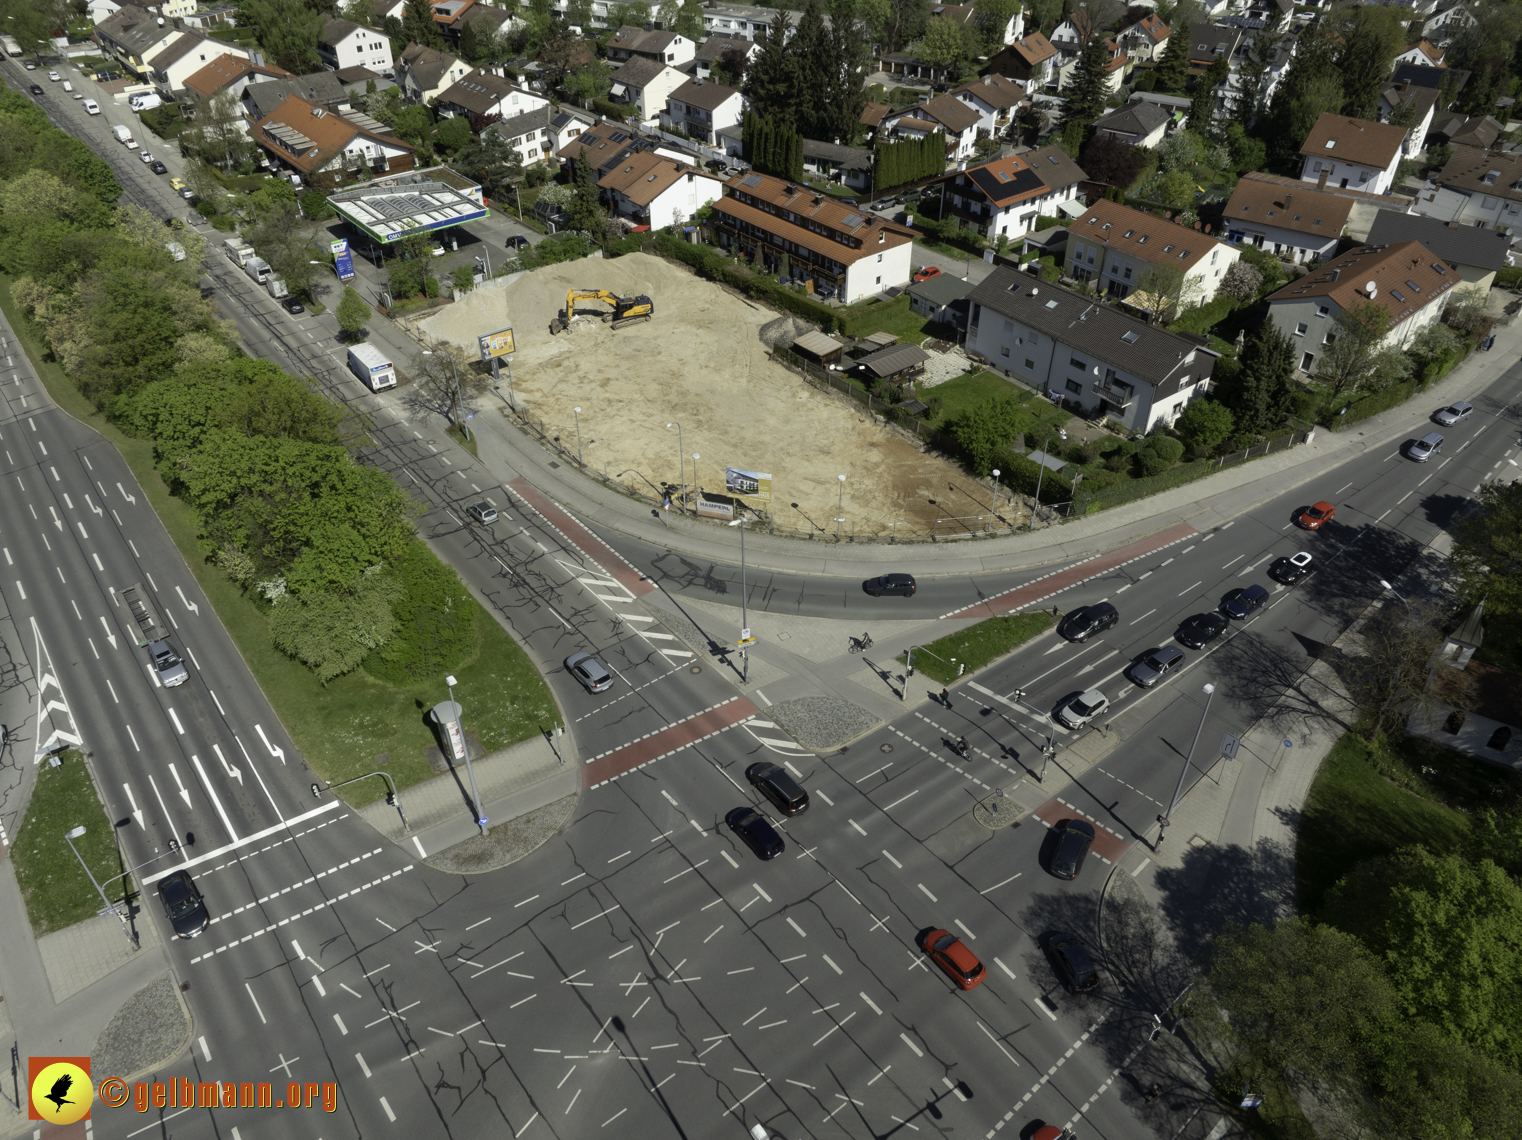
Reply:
x=643, y=972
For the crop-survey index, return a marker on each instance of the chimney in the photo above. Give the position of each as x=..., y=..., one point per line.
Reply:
x=1288, y=198
x=1321, y=182
x=987, y=80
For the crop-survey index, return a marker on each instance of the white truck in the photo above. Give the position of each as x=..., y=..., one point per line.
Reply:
x=12, y=46
x=238, y=251
x=276, y=287
x=155, y=638
x=372, y=366
x=257, y=269
x=122, y=135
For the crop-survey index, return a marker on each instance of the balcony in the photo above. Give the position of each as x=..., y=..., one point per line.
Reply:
x=1118, y=395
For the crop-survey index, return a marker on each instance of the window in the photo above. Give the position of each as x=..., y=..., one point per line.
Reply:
x=1078, y=364
x=1398, y=295
x=1074, y=387
x=1363, y=176
x=1300, y=328
x=879, y=258
x=1330, y=336
x=1128, y=273
x=1030, y=365
x=1131, y=337
x=1004, y=350
x=1488, y=203
x=1413, y=286
x=1128, y=233
x=1009, y=326
x=1306, y=361
x=1323, y=310
x=1316, y=167
x=1168, y=248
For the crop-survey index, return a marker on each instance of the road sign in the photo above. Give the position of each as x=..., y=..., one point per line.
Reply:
x=744, y=641
x=1229, y=746
x=745, y=635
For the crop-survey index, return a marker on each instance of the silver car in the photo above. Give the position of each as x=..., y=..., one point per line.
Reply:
x=1453, y=413
x=589, y=671
x=1426, y=447
x=1155, y=664
x=1080, y=708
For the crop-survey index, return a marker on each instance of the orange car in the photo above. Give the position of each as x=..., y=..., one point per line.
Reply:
x=947, y=952
x=1313, y=516
x=926, y=274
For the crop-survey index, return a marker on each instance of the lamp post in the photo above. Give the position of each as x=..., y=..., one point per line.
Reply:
x=1167, y=818
x=993, y=499
x=1035, y=506
x=475, y=794
x=681, y=467
x=69, y=837
x=744, y=609
x=840, y=499
x=695, y=458
x=1392, y=590
x=577, y=412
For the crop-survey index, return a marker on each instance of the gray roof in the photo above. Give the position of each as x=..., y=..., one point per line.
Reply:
x=1155, y=355
x=427, y=66
x=818, y=343
x=135, y=29
x=336, y=30
x=893, y=360
x=1455, y=244
x=319, y=87
x=639, y=72
x=942, y=289
x=855, y=158
x=1057, y=170
x=719, y=43
x=184, y=46
x=704, y=93
x=1139, y=119
x=522, y=124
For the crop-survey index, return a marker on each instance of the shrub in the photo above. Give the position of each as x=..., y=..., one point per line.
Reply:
x=1202, y=318
x=1507, y=278
x=1205, y=423
x=1045, y=222
x=431, y=285
x=1166, y=446
x=609, y=109
x=436, y=623
x=1152, y=463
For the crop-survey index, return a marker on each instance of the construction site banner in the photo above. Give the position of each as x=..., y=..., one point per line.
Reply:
x=714, y=508
x=499, y=343
x=752, y=485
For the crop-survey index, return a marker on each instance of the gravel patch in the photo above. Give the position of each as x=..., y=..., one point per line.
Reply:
x=781, y=332
x=941, y=367
x=822, y=722
x=147, y=1033
x=505, y=843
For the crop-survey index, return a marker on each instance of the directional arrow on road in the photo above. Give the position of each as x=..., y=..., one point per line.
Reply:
x=93, y=507
x=130, y=498
x=228, y=768
x=280, y=752
x=111, y=637
x=189, y=605
x=137, y=812
x=58, y=522
x=184, y=795
x=1096, y=664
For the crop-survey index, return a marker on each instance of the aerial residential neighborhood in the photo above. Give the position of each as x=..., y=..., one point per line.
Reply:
x=827, y=568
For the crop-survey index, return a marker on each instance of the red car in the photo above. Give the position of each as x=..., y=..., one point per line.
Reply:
x=926, y=274
x=1313, y=516
x=947, y=952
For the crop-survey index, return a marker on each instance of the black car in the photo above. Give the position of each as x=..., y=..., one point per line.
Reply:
x=757, y=831
x=36, y=90
x=183, y=904
x=778, y=785
x=158, y=167
x=1076, y=836
x=1155, y=664
x=1245, y=602
x=1072, y=960
x=1291, y=569
x=1200, y=630
x=890, y=585
x=1084, y=622
x=292, y=306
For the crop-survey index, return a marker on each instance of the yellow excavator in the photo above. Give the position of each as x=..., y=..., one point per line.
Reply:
x=625, y=309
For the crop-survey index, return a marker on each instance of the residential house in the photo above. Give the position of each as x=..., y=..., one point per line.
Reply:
x=481, y=93
x=101, y=10
x=528, y=133
x=943, y=113
x=1136, y=124
x=1066, y=68
x=229, y=73
x=449, y=16
x=657, y=46
x=605, y=144
x=343, y=43
x=652, y=190
x=1003, y=198
x=1029, y=61
x=995, y=99
x=701, y=109
x=646, y=85
x=1207, y=42
x=133, y=34
x=850, y=166
x=1418, y=102
x=1423, y=53
x=1275, y=15
x=1145, y=39
x=181, y=58
x=1464, y=130
x=872, y=115
x=323, y=88
x=1353, y=152
x=386, y=8
x=969, y=16
x=565, y=125
x=1292, y=221
x=1059, y=342
x=1365, y=207
x=1114, y=246
x=486, y=20
x=747, y=20
x=1476, y=188
x=205, y=19
x=906, y=66
x=356, y=80
x=851, y=253
x=1404, y=279
x=424, y=73
x=1451, y=78
x=942, y=298
x=1477, y=254
x=715, y=48
x=1451, y=17
x=324, y=147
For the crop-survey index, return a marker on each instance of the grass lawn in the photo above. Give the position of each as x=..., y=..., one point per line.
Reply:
x=977, y=645
x=867, y=317
x=342, y=729
x=973, y=389
x=1354, y=813
x=54, y=885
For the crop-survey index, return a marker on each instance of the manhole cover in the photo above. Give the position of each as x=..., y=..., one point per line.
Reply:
x=696, y=669
x=885, y=748
x=554, y=464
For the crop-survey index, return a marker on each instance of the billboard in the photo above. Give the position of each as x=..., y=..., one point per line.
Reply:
x=343, y=261
x=748, y=484
x=499, y=343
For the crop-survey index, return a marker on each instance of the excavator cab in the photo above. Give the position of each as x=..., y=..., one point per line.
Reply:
x=624, y=310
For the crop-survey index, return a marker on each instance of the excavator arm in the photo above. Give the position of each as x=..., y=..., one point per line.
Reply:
x=623, y=308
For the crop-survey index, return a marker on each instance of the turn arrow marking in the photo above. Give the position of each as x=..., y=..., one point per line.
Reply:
x=184, y=795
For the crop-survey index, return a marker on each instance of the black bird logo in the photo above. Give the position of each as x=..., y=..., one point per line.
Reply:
x=60, y=1093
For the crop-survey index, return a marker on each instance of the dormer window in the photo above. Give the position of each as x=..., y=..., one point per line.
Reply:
x=1491, y=176
x=1128, y=233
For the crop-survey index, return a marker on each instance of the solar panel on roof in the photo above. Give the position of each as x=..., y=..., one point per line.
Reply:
x=753, y=180
x=851, y=221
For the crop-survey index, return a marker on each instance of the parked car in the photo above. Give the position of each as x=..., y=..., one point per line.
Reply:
x=1084, y=622
x=177, y=184
x=927, y=273
x=757, y=832
x=1453, y=413
x=890, y=585
x=590, y=672
x=1244, y=602
x=1155, y=664
x=1291, y=568
x=777, y=784
x=1426, y=447
x=1317, y=515
x=958, y=963
x=36, y=90
x=146, y=157
x=54, y=76
x=183, y=905
x=1078, y=709
x=483, y=512
x=158, y=167
x=1076, y=836
x=292, y=306
x=1074, y=965
x=1200, y=630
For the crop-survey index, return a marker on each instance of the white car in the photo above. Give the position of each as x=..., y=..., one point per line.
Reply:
x=146, y=157
x=54, y=76
x=1080, y=708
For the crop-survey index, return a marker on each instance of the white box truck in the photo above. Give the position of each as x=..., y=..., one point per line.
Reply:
x=12, y=45
x=154, y=637
x=257, y=269
x=238, y=251
x=276, y=287
x=372, y=366
x=122, y=135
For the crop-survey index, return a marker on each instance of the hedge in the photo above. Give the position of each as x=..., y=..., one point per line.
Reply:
x=1046, y=222
x=1509, y=278
x=949, y=233
x=1202, y=318
x=1127, y=492
x=716, y=268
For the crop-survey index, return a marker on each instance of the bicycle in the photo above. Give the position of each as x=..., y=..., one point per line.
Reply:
x=859, y=644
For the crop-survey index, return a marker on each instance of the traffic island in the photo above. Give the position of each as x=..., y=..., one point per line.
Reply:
x=505, y=843
x=996, y=811
x=148, y=1032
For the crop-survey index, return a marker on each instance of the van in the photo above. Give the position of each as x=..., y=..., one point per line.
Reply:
x=92, y=107
x=122, y=135
x=145, y=102
x=1424, y=448
x=258, y=270
x=69, y=87
x=176, y=250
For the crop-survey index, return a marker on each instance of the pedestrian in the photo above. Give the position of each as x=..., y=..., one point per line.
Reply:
x=1154, y=1092
x=945, y=698
x=666, y=503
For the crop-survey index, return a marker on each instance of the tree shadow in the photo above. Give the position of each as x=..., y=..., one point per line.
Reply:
x=1217, y=885
x=1274, y=683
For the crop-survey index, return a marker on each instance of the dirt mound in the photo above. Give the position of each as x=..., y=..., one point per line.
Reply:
x=700, y=361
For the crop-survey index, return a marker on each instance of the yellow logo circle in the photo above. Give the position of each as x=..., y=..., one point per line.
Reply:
x=62, y=1093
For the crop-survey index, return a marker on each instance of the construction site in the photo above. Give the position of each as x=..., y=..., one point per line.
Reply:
x=698, y=360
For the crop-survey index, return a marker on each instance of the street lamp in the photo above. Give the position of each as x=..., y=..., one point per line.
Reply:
x=993, y=499
x=840, y=499
x=475, y=794
x=681, y=465
x=69, y=837
x=744, y=609
x=578, y=435
x=458, y=397
x=695, y=458
x=1167, y=817
x=1036, y=506
x=1392, y=590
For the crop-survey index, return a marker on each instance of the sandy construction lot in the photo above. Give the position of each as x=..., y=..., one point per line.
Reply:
x=700, y=362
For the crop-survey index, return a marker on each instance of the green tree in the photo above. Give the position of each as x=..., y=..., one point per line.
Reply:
x=474, y=47
x=585, y=211
x=283, y=237
x=1163, y=289
x=1086, y=97
x=453, y=134
x=419, y=26
x=904, y=21
x=772, y=79
x=1205, y=424
x=1240, y=282
x=947, y=43
x=844, y=58
x=331, y=632
x=490, y=160
x=353, y=314
x=996, y=15
x=1207, y=95
x=578, y=14
x=1248, y=100
x=1369, y=37
x=1173, y=68
x=1247, y=151
x=1356, y=359
x=1312, y=86
x=288, y=31
x=1176, y=189
x=1266, y=382
x=1487, y=547
x=984, y=432
x=689, y=20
